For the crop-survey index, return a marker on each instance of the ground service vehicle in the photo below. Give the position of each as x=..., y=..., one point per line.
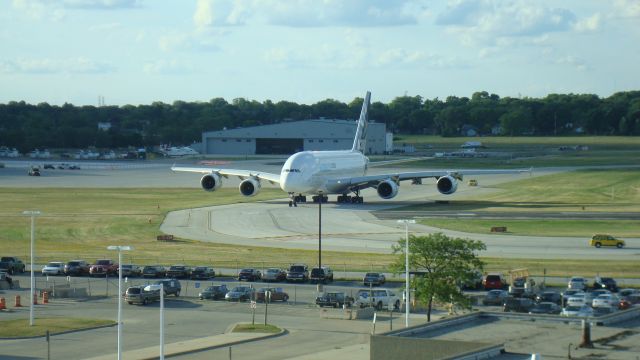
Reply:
x=216, y=292
x=142, y=295
x=11, y=265
x=600, y=240
x=334, y=299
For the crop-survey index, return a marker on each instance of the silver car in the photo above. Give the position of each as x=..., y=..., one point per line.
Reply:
x=53, y=268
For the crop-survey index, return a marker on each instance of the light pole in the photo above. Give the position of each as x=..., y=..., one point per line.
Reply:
x=33, y=214
x=120, y=249
x=406, y=264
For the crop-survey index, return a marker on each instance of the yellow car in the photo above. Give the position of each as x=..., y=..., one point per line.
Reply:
x=599, y=240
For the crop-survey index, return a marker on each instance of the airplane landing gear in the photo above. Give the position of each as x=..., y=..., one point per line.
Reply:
x=296, y=199
x=346, y=199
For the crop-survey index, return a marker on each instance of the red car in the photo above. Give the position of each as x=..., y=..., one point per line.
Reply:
x=103, y=267
x=493, y=281
x=277, y=294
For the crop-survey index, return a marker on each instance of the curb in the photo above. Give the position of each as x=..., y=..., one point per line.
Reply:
x=59, y=333
x=212, y=347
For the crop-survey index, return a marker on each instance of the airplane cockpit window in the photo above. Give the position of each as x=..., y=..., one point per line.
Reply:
x=292, y=170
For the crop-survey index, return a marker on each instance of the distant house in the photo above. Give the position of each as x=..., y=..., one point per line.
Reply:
x=469, y=130
x=104, y=125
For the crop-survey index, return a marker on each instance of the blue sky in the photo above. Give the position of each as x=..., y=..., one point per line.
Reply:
x=140, y=51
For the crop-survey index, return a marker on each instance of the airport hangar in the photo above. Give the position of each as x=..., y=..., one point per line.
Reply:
x=291, y=137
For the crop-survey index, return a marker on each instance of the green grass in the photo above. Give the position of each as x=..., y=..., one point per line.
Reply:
x=566, y=267
x=257, y=328
x=21, y=328
x=544, y=227
x=81, y=223
x=494, y=141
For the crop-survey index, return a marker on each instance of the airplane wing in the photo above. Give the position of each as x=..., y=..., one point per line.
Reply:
x=362, y=182
x=398, y=161
x=241, y=174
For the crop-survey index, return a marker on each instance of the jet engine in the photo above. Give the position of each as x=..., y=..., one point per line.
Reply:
x=249, y=187
x=447, y=185
x=211, y=182
x=387, y=189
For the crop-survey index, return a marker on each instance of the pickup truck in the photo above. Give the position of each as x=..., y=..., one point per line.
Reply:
x=103, y=267
x=11, y=265
x=142, y=295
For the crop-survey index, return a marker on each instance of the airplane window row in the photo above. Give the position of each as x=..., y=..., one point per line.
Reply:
x=291, y=170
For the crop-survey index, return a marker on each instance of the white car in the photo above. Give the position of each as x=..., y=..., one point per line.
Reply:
x=53, y=268
x=605, y=300
x=378, y=298
x=579, y=311
x=578, y=283
x=578, y=299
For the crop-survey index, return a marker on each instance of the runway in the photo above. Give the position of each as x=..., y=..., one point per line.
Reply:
x=355, y=228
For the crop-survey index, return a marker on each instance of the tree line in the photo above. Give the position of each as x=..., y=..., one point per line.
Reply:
x=27, y=126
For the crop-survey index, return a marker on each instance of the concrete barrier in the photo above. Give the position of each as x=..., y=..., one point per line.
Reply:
x=352, y=313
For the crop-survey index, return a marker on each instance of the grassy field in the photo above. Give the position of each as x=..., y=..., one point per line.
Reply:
x=525, y=141
x=584, y=228
x=21, y=328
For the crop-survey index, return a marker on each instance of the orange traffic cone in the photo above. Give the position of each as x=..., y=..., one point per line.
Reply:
x=3, y=305
x=17, y=301
x=45, y=297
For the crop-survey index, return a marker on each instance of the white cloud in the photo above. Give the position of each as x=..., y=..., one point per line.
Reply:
x=199, y=41
x=591, y=23
x=170, y=67
x=627, y=8
x=79, y=65
x=105, y=27
x=219, y=13
x=572, y=61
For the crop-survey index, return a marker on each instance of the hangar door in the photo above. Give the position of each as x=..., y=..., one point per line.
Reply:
x=279, y=146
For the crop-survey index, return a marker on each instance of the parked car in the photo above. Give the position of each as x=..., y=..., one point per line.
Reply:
x=11, y=265
x=578, y=283
x=522, y=305
x=624, y=293
x=600, y=240
x=53, y=268
x=494, y=281
x=606, y=283
x=569, y=293
x=577, y=311
x=153, y=271
x=298, y=272
x=142, y=295
x=378, y=298
x=495, y=297
x=240, y=293
x=103, y=267
x=131, y=270
x=578, y=299
x=334, y=299
x=277, y=294
x=202, y=273
x=178, y=272
x=596, y=293
x=48, y=167
x=321, y=275
x=216, y=292
x=34, y=171
x=373, y=279
x=605, y=300
x=545, y=308
x=76, y=268
x=171, y=286
x=274, y=274
x=624, y=304
x=604, y=310
x=549, y=296
x=249, y=274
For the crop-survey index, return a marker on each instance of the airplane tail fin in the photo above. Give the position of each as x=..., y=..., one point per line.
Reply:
x=359, y=142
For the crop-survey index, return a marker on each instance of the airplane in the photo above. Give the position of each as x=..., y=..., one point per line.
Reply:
x=342, y=172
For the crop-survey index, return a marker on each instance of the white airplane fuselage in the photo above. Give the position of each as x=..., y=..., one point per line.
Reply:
x=311, y=172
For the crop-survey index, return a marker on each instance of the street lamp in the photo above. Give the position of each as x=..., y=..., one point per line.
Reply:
x=33, y=214
x=406, y=264
x=120, y=249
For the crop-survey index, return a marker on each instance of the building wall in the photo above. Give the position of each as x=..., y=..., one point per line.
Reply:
x=316, y=135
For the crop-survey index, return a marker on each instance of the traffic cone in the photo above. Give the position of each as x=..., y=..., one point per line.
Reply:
x=45, y=297
x=35, y=299
x=3, y=305
x=17, y=301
